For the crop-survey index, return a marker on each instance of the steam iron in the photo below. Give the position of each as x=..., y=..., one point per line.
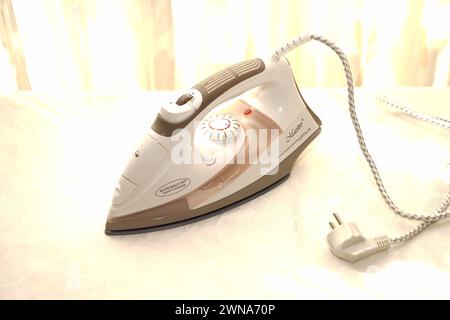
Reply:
x=225, y=140
x=233, y=136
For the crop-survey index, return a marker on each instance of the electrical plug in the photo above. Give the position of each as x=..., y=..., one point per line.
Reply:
x=347, y=242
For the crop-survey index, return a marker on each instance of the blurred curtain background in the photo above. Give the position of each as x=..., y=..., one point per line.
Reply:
x=123, y=45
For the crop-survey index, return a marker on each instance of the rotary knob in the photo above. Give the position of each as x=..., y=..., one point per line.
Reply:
x=221, y=128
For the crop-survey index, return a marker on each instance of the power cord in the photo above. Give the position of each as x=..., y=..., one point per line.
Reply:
x=345, y=239
x=442, y=122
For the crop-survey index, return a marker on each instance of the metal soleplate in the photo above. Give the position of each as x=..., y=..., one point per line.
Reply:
x=202, y=217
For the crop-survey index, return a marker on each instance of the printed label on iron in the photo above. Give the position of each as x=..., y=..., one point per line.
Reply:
x=173, y=187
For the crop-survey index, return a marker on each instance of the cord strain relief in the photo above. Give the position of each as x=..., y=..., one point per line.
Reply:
x=382, y=242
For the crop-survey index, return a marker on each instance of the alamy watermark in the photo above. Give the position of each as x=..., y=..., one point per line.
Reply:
x=241, y=147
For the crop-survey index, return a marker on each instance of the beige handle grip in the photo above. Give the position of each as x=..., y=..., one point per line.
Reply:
x=211, y=88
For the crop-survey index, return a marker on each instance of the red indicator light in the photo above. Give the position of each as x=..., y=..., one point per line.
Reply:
x=247, y=112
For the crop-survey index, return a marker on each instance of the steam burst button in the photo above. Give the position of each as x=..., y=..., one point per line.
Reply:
x=185, y=98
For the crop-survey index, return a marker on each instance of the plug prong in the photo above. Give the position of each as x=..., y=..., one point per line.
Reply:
x=338, y=219
x=332, y=225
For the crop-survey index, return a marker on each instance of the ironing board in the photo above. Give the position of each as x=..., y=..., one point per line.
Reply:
x=61, y=156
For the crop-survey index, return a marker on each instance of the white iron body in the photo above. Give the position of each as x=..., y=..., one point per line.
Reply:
x=212, y=129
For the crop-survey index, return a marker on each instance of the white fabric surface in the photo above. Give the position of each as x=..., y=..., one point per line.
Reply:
x=60, y=158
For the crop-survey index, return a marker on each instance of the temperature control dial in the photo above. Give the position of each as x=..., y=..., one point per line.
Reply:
x=221, y=128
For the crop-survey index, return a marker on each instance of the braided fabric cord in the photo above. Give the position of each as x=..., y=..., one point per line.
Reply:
x=425, y=220
x=442, y=122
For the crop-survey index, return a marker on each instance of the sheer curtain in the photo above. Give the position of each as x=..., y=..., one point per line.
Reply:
x=123, y=45
x=112, y=45
x=388, y=42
